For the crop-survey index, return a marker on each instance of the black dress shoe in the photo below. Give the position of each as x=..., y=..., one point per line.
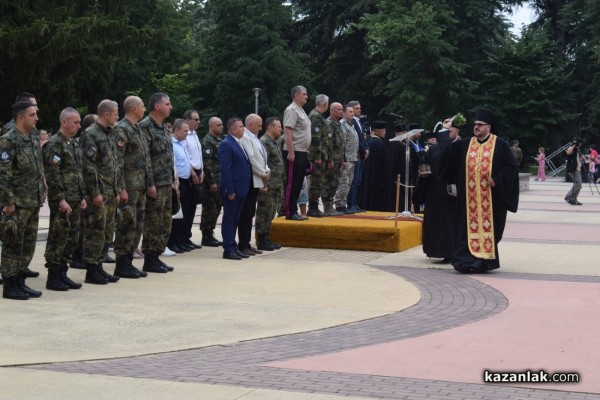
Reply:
x=241, y=255
x=211, y=242
x=228, y=255
x=315, y=213
x=255, y=250
x=296, y=217
x=186, y=247
x=246, y=252
x=576, y=203
x=176, y=248
x=192, y=244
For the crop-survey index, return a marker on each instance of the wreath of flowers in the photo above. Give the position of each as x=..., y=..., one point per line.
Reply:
x=459, y=120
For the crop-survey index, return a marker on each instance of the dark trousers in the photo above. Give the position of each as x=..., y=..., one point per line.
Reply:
x=246, y=215
x=295, y=173
x=351, y=200
x=231, y=217
x=181, y=227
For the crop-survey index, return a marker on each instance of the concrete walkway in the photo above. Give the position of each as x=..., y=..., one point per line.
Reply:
x=324, y=324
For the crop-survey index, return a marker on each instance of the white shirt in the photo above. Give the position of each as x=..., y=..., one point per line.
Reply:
x=194, y=150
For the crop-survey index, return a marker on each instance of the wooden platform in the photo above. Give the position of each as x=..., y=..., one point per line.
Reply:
x=370, y=231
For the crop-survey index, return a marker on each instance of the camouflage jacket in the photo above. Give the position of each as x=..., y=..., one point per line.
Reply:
x=337, y=153
x=99, y=162
x=21, y=170
x=275, y=162
x=132, y=152
x=320, y=144
x=210, y=157
x=160, y=149
x=62, y=165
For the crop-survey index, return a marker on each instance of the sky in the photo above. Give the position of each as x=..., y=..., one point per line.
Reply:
x=521, y=16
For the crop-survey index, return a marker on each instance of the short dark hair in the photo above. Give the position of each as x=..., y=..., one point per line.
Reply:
x=270, y=121
x=188, y=114
x=155, y=98
x=24, y=96
x=232, y=121
x=177, y=124
x=19, y=108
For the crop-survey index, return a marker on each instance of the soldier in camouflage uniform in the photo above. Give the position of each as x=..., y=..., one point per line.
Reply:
x=335, y=159
x=134, y=180
x=21, y=196
x=66, y=198
x=317, y=154
x=101, y=177
x=23, y=96
x=157, y=220
x=270, y=198
x=351, y=155
x=211, y=207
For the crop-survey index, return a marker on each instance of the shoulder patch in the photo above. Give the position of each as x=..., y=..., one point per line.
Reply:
x=91, y=152
x=5, y=156
x=55, y=160
x=121, y=143
x=207, y=152
x=317, y=129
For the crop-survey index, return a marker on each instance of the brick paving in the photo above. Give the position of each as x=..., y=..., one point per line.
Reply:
x=448, y=300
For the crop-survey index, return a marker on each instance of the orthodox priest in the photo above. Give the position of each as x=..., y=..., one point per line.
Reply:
x=396, y=165
x=487, y=179
x=440, y=200
x=374, y=170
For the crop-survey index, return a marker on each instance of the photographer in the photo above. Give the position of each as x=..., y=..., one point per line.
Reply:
x=574, y=165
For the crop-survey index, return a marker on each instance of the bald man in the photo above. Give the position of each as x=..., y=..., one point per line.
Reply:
x=134, y=174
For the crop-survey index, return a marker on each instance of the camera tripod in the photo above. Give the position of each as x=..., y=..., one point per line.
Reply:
x=592, y=179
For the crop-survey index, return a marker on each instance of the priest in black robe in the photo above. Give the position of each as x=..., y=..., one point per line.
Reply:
x=440, y=204
x=374, y=169
x=487, y=179
x=396, y=164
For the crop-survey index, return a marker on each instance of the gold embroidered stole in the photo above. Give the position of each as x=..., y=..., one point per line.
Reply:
x=480, y=218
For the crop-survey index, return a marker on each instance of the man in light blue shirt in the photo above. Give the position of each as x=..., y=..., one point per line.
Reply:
x=184, y=186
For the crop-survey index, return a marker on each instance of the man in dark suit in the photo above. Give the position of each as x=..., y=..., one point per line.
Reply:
x=363, y=154
x=236, y=174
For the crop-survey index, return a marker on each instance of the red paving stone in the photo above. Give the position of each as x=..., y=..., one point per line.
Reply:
x=547, y=325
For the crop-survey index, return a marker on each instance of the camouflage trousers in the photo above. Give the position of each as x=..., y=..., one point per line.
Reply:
x=94, y=236
x=157, y=221
x=109, y=227
x=211, y=208
x=130, y=222
x=332, y=179
x=316, y=181
x=343, y=188
x=266, y=208
x=63, y=234
x=18, y=248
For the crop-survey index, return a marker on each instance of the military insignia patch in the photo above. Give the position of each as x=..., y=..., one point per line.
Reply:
x=4, y=156
x=121, y=143
x=207, y=152
x=55, y=160
x=91, y=152
x=317, y=129
x=330, y=136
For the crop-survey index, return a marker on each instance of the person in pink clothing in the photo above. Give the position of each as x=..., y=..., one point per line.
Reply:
x=541, y=159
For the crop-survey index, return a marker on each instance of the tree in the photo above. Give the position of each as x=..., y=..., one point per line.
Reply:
x=242, y=47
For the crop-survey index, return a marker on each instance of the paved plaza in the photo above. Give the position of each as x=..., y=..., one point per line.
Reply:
x=310, y=324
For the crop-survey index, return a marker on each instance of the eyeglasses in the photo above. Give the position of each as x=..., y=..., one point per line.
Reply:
x=479, y=124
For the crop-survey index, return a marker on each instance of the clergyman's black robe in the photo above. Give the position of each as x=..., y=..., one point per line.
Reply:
x=440, y=208
x=505, y=197
x=374, y=176
x=396, y=164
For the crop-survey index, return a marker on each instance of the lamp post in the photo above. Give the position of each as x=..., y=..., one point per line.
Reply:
x=256, y=92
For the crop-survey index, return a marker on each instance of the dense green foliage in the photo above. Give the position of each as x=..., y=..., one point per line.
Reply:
x=426, y=59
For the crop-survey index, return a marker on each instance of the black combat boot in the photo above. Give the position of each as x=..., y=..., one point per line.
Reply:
x=208, y=239
x=94, y=276
x=62, y=272
x=77, y=260
x=263, y=244
x=29, y=273
x=106, y=257
x=276, y=245
x=142, y=274
x=10, y=289
x=24, y=288
x=54, y=282
x=124, y=269
x=109, y=277
x=313, y=210
x=152, y=263
x=167, y=267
